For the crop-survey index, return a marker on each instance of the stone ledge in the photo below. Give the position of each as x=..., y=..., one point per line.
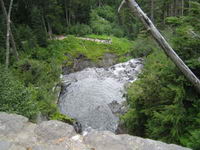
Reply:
x=16, y=133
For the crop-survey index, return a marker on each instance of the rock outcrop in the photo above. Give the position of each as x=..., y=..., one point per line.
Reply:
x=16, y=133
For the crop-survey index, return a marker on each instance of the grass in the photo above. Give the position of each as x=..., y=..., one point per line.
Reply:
x=101, y=37
x=94, y=51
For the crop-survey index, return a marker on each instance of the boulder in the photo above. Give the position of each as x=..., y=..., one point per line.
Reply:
x=17, y=147
x=138, y=143
x=11, y=123
x=105, y=140
x=108, y=141
x=52, y=130
x=4, y=145
x=50, y=147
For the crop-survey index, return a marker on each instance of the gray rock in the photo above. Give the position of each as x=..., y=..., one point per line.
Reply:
x=10, y=123
x=4, y=145
x=109, y=141
x=26, y=137
x=50, y=147
x=53, y=130
x=147, y=144
x=105, y=140
x=17, y=147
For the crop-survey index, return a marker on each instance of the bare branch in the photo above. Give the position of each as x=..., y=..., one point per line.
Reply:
x=121, y=5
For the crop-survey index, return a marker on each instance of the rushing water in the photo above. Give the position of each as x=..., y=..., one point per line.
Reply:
x=87, y=94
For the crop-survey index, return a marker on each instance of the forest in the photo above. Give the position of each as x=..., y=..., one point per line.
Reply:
x=163, y=104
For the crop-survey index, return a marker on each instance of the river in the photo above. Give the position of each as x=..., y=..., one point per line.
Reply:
x=92, y=95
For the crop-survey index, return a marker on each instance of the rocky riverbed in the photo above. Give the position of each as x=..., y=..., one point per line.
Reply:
x=17, y=133
x=94, y=96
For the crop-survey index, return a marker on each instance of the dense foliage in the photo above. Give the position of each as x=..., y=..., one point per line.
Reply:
x=15, y=97
x=163, y=104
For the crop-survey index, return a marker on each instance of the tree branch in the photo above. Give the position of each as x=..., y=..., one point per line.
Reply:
x=121, y=5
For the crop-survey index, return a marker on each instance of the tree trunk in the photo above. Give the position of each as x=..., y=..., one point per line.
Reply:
x=182, y=7
x=66, y=12
x=8, y=35
x=11, y=35
x=164, y=16
x=172, y=8
x=175, y=8
x=44, y=24
x=152, y=10
x=69, y=13
x=164, y=44
x=189, y=6
x=49, y=30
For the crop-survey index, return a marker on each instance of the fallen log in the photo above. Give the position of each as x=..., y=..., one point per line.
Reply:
x=163, y=43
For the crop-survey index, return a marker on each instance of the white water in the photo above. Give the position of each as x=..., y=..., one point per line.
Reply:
x=87, y=93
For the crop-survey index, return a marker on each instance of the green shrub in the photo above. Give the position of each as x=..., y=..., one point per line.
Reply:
x=106, y=12
x=79, y=29
x=40, y=77
x=192, y=140
x=100, y=25
x=117, y=31
x=37, y=73
x=104, y=21
x=173, y=21
x=2, y=55
x=26, y=35
x=38, y=29
x=16, y=98
x=140, y=49
x=163, y=105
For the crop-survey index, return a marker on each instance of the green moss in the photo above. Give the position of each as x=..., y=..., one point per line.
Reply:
x=94, y=51
x=61, y=117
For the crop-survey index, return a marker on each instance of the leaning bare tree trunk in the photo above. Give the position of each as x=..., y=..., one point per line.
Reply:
x=11, y=35
x=164, y=44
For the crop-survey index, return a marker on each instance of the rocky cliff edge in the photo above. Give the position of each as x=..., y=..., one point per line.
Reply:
x=17, y=133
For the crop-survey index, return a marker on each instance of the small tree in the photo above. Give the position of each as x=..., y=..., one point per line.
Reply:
x=11, y=35
x=8, y=33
